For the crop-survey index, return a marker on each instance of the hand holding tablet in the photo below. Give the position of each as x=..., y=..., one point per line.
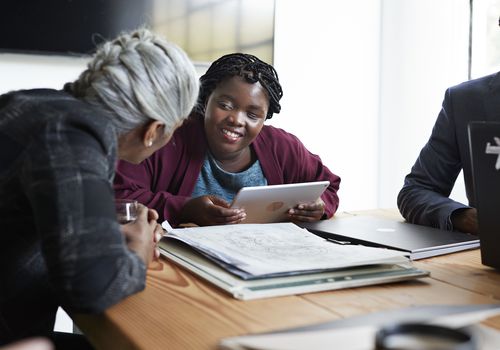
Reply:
x=264, y=204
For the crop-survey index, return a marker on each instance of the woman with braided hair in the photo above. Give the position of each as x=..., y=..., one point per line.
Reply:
x=225, y=146
x=61, y=243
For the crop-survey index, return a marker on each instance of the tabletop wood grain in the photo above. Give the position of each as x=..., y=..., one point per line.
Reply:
x=178, y=310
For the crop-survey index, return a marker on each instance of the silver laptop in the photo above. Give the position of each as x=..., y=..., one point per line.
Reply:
x=484, y=143
x=416, y=240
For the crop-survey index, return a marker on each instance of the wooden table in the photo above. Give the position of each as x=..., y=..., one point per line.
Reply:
x=177, y=310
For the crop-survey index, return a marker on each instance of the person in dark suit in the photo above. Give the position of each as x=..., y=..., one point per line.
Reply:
x=424, y=198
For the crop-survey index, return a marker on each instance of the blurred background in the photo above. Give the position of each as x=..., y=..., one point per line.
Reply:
x=363, y=80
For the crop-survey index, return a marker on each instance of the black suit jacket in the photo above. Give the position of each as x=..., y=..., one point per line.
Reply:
x=424, y=198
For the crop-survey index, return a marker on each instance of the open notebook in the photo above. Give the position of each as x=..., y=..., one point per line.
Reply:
x=264, y=260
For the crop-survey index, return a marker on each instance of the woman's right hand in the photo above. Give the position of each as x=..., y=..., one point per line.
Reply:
x=210, y=210
x=143, y=234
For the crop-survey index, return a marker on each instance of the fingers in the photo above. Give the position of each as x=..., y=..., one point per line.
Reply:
x=211, y=210
x=229, y=214
x=143, y=234
x=157, y=254
x=153, y=215
x=142, y=212
x=307, y=211
x=219, y=201
x=313, y=206
x=231, y=219
x=157, y=235
x=304, y=218
x=221, y=215
x=218, y=212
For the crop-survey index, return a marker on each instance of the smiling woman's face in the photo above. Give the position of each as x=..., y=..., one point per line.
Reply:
x=234, y=115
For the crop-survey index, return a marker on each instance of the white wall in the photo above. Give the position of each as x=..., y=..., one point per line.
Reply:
x=424, y=50
x=327, y=56
x=363, y=83
x=38, y=71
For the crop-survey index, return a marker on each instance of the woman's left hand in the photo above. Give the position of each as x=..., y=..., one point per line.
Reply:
x=136, y=234
x=308, y=211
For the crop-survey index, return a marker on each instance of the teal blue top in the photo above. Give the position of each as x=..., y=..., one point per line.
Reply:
x=213, y=180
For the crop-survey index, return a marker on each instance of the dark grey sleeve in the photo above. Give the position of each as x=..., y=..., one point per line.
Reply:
x=424, y=198
x=66, y=179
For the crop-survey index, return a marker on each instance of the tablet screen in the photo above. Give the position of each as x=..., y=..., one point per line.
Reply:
x=265, y=204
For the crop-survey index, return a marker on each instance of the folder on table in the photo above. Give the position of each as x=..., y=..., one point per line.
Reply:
x=252, y=261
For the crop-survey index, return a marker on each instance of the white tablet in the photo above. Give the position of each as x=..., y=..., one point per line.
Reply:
x=265, y=204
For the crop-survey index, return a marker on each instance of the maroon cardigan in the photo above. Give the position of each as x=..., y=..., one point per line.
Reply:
x=166, y=180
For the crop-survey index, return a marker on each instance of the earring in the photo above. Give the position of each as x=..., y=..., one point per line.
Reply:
x=150, y=142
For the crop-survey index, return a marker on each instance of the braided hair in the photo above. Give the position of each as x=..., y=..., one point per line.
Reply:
x=138, y=77
x=247, y=66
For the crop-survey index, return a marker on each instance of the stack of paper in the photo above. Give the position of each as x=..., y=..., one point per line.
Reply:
x=261, y=260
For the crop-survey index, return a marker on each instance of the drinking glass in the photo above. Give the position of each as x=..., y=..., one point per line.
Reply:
x=126, y=210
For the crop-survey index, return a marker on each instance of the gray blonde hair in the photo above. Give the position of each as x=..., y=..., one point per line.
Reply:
x=138, y=77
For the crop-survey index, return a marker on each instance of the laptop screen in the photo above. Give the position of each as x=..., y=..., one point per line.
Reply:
x=484, y=143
